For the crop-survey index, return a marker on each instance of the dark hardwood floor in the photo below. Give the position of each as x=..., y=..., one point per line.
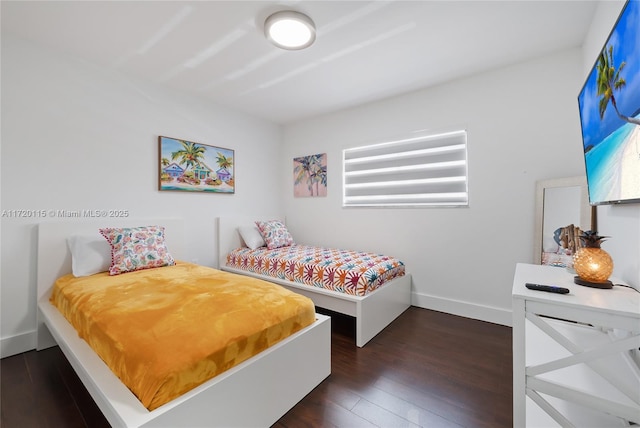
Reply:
x=427, y=369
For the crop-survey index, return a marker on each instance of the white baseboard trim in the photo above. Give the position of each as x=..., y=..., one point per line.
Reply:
x=17, y=344
x=464, y=309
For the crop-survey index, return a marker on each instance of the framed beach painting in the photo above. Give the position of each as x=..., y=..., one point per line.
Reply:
x=194, y=167
x=310, y=175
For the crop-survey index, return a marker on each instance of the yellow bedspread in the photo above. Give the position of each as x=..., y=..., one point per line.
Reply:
x=165, y=331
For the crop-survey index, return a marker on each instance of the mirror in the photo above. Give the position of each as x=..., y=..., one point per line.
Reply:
x=562, y=211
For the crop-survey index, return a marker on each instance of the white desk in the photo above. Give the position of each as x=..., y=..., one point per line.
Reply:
x=575, y=356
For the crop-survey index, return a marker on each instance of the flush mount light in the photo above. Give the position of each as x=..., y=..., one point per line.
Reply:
x=290, y=30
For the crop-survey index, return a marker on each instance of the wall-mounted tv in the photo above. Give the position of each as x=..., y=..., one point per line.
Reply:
x=610, y=114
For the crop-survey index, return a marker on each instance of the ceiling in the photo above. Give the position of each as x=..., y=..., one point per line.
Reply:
x=364, y=51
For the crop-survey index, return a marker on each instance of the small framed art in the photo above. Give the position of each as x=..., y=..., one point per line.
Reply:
x=310, y=175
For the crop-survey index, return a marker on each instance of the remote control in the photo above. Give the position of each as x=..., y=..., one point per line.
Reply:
x=549, y=288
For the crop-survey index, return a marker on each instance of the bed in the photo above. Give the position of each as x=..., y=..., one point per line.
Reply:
x=372, y=312
x=269, y=384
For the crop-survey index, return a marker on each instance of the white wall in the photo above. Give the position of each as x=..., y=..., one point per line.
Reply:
x=63, y=119
x=522, y=124
x=75, y=136
x=620, y=222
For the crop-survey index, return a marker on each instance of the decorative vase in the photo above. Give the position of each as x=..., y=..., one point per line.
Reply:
x=592, y=264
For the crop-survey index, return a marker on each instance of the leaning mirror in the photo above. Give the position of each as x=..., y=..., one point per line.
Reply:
x=562, y=212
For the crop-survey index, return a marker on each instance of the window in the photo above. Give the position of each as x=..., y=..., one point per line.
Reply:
x=423, y=171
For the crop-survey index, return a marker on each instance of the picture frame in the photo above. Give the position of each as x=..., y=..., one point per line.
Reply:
x=562, y=206
x=194, y=167
x=310, y=176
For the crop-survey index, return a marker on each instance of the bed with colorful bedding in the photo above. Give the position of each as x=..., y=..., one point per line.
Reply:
x=373, y=288
x=175, y=343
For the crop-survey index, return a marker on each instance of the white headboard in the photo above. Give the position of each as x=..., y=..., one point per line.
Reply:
x=228, y=236
x=54, y=258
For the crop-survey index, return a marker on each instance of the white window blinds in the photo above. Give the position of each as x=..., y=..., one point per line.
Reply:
x=423, y=171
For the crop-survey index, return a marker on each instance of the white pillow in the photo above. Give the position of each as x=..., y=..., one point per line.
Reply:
x=251, y=237
x=90, y=254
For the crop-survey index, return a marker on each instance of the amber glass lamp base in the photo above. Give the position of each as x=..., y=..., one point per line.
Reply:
x=606, y=284
x=593, y=266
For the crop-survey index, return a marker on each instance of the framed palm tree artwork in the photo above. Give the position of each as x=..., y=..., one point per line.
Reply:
x=310, y=175
x=194, y=167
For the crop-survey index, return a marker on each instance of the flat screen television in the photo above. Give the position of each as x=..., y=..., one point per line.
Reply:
x=610, y=114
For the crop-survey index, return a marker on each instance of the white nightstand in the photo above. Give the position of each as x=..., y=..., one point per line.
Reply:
x=575, y=356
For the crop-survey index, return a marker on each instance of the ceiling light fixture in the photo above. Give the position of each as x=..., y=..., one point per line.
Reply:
x=290, y=30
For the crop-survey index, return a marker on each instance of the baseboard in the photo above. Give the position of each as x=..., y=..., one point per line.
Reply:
x=465, y=309
x=17, y=344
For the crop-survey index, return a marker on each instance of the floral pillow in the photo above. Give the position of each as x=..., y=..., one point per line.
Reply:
x=274, y=233
x=135, y=248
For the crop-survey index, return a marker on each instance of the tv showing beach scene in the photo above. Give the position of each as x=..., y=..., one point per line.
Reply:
x=610, y=115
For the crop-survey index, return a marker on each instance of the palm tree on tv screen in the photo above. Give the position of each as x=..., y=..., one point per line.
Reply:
x=608, y=80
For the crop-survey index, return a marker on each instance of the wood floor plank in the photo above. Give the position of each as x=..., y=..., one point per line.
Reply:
x=89, y=410
x=426, y=369
x=381, y=417
x=446, y=409
x=405, y=409
x=17, y=394
x=55, y=406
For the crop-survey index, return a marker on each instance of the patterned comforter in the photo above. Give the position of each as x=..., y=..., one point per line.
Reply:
x=351, y=272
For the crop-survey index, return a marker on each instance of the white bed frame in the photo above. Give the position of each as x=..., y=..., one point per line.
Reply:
x=255, y=393
x=372, y=312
